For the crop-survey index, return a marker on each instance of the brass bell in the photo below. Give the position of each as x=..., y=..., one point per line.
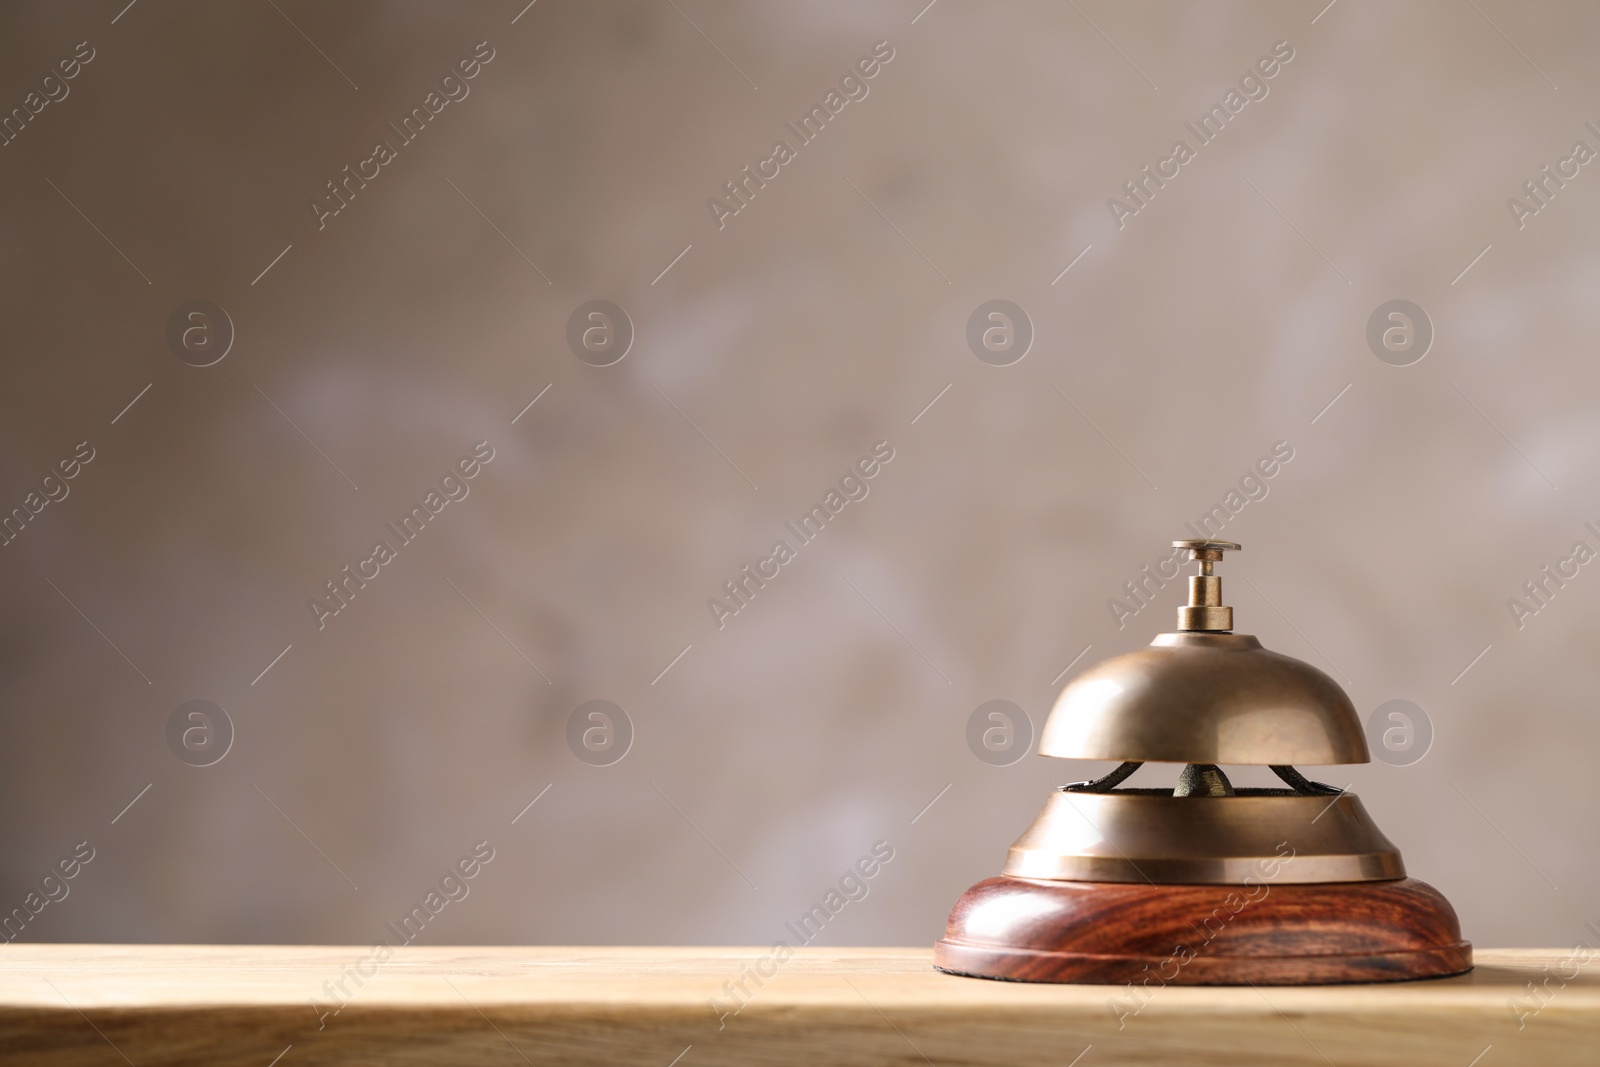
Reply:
x=1205, y=883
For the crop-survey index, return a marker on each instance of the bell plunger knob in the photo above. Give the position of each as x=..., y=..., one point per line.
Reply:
x=1205, y=612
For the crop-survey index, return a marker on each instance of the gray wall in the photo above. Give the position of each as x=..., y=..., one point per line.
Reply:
x=1220, y=319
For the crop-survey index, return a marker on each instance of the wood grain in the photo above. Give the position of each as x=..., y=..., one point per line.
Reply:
x=1117, y=932
x=562, y=1007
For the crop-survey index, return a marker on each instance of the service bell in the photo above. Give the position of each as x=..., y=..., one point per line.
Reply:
x=1205, y=883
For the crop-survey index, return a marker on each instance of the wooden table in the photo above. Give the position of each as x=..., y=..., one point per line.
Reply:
x=225, y=1005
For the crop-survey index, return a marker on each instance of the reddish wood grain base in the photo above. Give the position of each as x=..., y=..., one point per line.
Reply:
x=1114, y=932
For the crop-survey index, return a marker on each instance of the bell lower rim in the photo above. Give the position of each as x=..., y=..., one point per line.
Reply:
x=1253, y=838
x=1233, y=870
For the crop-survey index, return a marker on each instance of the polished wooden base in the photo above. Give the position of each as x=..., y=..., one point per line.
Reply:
x=1028, y=930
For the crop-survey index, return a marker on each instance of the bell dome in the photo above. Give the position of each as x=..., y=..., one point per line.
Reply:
x=1205, y=698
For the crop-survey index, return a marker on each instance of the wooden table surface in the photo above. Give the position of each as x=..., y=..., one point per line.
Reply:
x=224, y=1005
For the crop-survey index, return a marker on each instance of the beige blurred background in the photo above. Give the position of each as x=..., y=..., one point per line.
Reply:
x=831, y=712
